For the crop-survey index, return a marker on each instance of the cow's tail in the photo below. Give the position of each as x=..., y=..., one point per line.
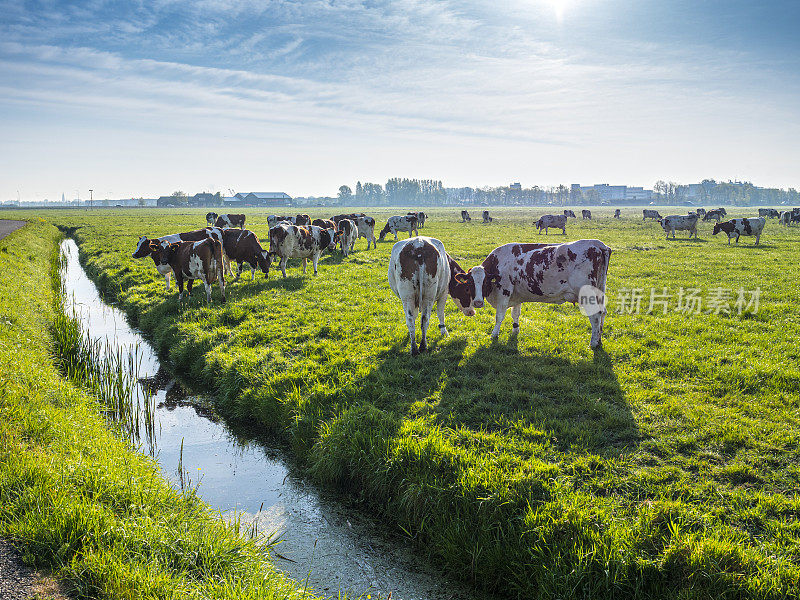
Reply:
x=601, y=277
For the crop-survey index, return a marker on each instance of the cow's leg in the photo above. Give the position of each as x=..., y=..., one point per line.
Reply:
x=220, y=277
x=737, y=238
x=305, y=262
x=315, y=260
x=424, y=321
x=166, y=278
x=411, y=318
x=395, y=235
x=239, y=273
x=284, y=262
x=564, y=231
x=179, y=283
x=516, y=311
x=597, y=320
x=501, y=308
x=252, y=272
x=440, y=304
x=758, y=237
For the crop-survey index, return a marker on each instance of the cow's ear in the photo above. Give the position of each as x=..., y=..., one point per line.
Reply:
x=153, y=245
x=174, y=245
x=461, y=278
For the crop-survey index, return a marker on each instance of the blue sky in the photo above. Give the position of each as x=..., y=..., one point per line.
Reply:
x=138, y=98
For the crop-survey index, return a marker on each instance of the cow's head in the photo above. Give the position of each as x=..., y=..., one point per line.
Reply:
x=142, y=248
x=469, y=289
x=540, y=224
x=264, y=261
x=717, y=228
x=665, y=224
x=383, y=232
x=329, y=238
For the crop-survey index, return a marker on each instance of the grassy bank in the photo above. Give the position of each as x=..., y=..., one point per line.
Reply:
x=666, y=464
x=73, y=496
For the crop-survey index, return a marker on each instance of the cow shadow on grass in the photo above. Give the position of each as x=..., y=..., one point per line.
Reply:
x=245, y=287
x=576, y=405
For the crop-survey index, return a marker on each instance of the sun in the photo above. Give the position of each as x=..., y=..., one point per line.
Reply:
x=559, y=8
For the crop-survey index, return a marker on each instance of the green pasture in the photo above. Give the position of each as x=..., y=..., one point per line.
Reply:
x=666, y=463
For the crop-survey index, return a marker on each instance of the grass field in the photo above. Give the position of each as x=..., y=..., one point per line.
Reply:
x=74, y=496
x=665, y=464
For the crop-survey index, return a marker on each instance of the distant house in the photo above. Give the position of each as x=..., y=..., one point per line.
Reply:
x=259, y=199
x=206, y=199
x=515, y=186
x=167, y=201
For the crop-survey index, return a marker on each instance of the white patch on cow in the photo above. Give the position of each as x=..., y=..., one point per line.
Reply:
x=196, y=270
x=591, y=300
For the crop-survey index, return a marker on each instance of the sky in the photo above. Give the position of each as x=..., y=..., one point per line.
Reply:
x=133, y=98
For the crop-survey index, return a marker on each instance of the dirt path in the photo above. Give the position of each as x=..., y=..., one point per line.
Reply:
x=20, y=582
x=7, y=226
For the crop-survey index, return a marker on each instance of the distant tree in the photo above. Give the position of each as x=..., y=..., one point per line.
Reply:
x=345, y=193
x=141, y=202
x=180, y=198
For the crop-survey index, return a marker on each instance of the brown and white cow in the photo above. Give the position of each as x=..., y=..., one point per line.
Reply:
x=399, y=223
x=230, y=220
x=290, y=241
x=193, y=260
x=273, y=220
x=586, y=214
x=569, y=213
x=487, y=217
x=211, y=218
x=301, y=220
x=553, y=273
x=650, y=214
x=324, y=223
x=673, y=223
x=242, y=246
x=144, y=246
x=738, y=227
x=555, y=221
x=617, y=213
x=348, y=234
x=465, y=216
x=419, y=274
x=421, y=216
x=364, y=224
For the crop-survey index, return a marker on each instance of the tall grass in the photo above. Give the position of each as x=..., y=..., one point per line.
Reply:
x=108, y=371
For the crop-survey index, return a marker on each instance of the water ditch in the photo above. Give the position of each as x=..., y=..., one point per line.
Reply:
x=324, y=540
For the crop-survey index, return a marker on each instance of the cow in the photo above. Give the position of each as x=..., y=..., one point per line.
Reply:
x=230, y=221
x=211, y=218
x=421, y=216
x=398, y=223
x=785, y=218
x=553, y=273
x=722, y=211
x=714, y=214
x=465, y=216
x=290, y=241
x=241, y=247
x=324, y=223
x=419, y=274
x=486, y=217
x=301, y=220
x=351, y=216
x=586, y=214
x=650, y=214
x=569, y=213
x=144, y=247
x=193, y=260
x=795, y=218
x=617, y=214
x=738, y=227
x=273, y=220
x=673, y=223
x=348, y=234
x=770, y=213
x=701, y=212
x=556, y=221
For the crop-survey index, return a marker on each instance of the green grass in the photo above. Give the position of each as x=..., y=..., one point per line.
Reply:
x=74, y=496
x=665, y=464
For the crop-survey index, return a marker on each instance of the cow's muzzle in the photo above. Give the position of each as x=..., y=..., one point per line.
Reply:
x=478, y=303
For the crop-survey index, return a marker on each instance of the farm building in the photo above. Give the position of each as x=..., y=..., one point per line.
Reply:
x=259, y=199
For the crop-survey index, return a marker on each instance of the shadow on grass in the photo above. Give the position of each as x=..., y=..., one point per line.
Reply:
x=578, y=404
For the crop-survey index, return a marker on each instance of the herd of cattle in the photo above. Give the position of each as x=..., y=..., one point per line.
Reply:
x=421, y=272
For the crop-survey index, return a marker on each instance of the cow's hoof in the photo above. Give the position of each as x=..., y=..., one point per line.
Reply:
x=597, y=346
x=423, y=347
x=414, y=351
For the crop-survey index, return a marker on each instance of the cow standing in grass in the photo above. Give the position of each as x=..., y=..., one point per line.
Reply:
x=193, y=260
x=347, y=234
x=569, y=213
x=553, y=273
x=421, y=216
x=586, y=214
x=556, y=221
x=230, y=220
x=487, y=217
x=290, y=241
x=715, y=215
x=419, y=274
x=738, y=227
x=617, y=214
x=650, y=214
x=465, y=216
x=769, y=213
x=273, y=220
x=673, y=223
x=400, y=223
x=144, y=247
x=365, y=226
x=242, y=246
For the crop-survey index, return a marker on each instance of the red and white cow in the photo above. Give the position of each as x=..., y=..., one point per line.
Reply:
x=673, y=223
x=144, y=247
x=348, y=233
x=290, y=241
x=242, y=246
x=230, y=220
x=419, y=274
x=555, y=221
x=193, y=260
x=738, y=227
x=554, y=273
